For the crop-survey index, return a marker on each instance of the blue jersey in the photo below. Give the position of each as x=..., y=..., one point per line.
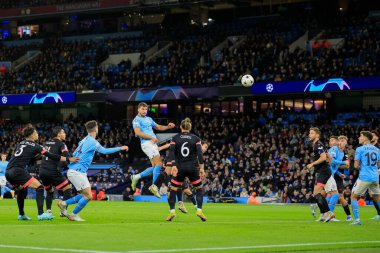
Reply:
x=337, y=156
x=86, y=151
x=3, y=168
x=368, y=156
x=146, y=125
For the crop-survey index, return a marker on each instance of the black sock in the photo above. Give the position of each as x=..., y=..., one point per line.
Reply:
x=172, y=199
x=377, y=207
x=160, y=179
x=179, y=195
x=49, y=199
x=322, y=203
x=40, y=199
x=191, y=197
x=347, y=210
x=20, y=200
x=199, y=193
x=67, y=194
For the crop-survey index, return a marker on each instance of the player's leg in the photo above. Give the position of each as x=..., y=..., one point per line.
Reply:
x=374, y=190
x=331, y=187
x=156, y=172
x=35, y=184
x=61, y=183
x=77, y=179
x=190, y=195
x=196, y=181
x=151, y=150
x=46, y=181
x=359, y=189
x=181, y=205
x=176, y=183
x=345, y=207
x=18, y=177
x=321, y=181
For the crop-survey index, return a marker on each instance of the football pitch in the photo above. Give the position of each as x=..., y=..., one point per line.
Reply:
x=141, y=228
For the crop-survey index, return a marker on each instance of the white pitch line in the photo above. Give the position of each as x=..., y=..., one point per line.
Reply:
x=190, y=249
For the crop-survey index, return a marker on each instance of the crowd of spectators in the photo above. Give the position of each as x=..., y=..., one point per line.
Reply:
x=8, y=4
x=257, y=153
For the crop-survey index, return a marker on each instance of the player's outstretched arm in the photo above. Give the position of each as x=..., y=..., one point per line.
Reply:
x=166, y=146
x=164, y=128
x=57, y=158
x=107, y=151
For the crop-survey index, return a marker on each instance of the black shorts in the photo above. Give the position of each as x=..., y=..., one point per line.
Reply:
x=188, y=170
x=52, y=177
x=18, y=177
x=339, y=183
x=322, y=177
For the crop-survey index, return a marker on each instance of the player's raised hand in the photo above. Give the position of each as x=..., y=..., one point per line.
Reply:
x=124, y=148
x=74, y=159
x=171, y=125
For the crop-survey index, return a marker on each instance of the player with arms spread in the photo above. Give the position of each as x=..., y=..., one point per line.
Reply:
x=143, y=127
x=77, y=173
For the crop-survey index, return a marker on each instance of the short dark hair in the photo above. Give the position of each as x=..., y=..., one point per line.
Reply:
x=56, y=131
x=316, y=129
x=367, y=134
x=28, y=130
x=334, y=137
x=142, y=104
x=90, y=125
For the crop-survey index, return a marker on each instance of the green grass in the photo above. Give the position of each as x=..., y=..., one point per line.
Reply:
x=128, y=226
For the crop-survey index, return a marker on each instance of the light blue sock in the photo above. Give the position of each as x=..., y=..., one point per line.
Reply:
x=81, y=204
x=328, y=199
x=147, y=173
x=332, y=202
x=156, y=172
x=7, y=189
x=355, y=208
x=73, y=200
x=2, y=191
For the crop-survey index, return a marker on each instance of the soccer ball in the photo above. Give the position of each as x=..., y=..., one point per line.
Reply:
x=247, y=80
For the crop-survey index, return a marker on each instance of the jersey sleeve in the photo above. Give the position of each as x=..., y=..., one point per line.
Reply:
x=320, y=149
x=64, y=150
x=357, y=154
x=152, y=122
x=105, y=151
x=332, y=152
x=136, y=123
x=41, y=150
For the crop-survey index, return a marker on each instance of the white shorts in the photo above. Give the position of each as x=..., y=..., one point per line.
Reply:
x=331, y=185
x=150, y=149
x=361, y=186
x=78, y=179
x=3, y=181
